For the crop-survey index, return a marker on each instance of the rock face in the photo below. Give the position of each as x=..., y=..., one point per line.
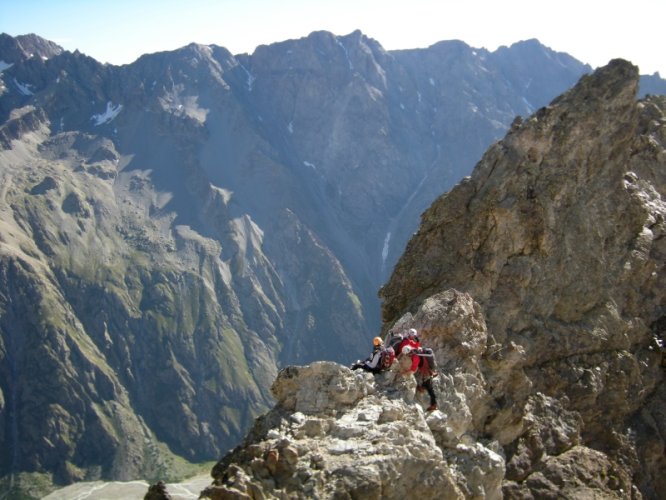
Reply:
x=22, y=47
x=558, y=235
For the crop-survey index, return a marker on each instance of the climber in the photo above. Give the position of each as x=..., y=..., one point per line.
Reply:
x=419, y=365
x=412, y=339
x=380, y=358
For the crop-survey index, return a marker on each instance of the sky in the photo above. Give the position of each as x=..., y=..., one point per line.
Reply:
x=119, y=31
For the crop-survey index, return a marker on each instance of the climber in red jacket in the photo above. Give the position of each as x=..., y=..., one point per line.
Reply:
x=423, y=372
x=411, y=339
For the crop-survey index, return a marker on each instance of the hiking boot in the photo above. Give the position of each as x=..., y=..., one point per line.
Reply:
x=432, y=408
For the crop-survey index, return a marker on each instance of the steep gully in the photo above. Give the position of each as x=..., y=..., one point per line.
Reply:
x=393, y=223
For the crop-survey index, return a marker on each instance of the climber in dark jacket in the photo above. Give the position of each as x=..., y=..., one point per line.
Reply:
x=411, y=339
x=372, y=363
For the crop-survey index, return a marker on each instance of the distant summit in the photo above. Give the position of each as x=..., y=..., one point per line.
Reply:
x=22, y=47
x=653, y=84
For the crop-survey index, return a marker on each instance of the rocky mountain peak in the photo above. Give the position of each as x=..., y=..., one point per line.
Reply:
x=539, y=283
x=22, y=47
x=552, y=154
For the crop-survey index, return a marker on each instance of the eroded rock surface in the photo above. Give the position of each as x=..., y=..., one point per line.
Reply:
x=339, y=433
x=559, y=237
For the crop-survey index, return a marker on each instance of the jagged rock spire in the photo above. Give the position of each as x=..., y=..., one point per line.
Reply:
x=559, y=236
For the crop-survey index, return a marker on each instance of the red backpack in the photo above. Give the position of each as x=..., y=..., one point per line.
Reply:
x=387, y=357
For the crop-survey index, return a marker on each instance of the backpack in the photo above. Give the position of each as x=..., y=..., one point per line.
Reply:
x=427, y=360
x=387, y=358
x=424, y=366
x=393, y=340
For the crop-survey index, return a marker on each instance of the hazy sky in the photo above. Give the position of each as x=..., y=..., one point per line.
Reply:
x=119, y=31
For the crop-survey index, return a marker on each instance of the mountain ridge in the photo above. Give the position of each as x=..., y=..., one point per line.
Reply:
x=192, y=222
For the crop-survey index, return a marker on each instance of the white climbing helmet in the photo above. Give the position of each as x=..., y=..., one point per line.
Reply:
x=412, y=333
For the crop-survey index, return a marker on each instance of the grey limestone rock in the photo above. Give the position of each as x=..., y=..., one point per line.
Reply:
x=557, y=238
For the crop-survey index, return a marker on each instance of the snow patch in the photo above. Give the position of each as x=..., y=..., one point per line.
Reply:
x=386, y=248
x=432, y=81
x=250, y=78
x=4, y=65
x=224, y=193
x=344, y=49
x=498, y=125
x=311, y=165
x=374, y=93
x=530, y=108
x=23, y=88
x=290, y=127
x=110, y=113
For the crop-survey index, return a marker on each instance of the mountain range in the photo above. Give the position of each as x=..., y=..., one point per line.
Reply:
x=175, y=231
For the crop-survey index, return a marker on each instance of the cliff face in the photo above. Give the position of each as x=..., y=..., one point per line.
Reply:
x=559, y=236
x=539, y=281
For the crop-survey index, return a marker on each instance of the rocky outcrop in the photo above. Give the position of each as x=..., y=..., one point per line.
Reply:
x=22, y=47
x=22, y=122
x=558, y=235
x=337, y=433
